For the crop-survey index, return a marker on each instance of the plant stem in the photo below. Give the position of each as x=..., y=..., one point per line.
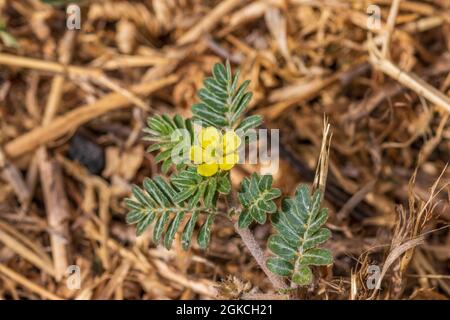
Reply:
x=252, y=245
x=255, y=249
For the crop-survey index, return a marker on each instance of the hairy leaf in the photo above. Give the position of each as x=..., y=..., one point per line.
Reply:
x=299, y=233
x=170, y=137
x=189, y=230
x=222, y=101
x=156, y=203
x=251, y=122
x=280, y=266
x=256, y=196
x=196, y=188
x=205, y=232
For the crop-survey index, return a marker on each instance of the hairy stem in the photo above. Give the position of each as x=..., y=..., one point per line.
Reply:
x=255, y=249
x=252, y=245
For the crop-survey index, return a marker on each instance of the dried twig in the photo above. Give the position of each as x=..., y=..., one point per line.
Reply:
x=250, y=242
x=409, y=79
x=52, y=182
x=73, y=119
x=28, y=283
x=57, y=209
x=208, y=22
x=390, y=24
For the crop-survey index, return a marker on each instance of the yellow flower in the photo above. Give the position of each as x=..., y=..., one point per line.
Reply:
x=215, y=151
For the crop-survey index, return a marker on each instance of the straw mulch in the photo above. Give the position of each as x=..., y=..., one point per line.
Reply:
x=73, y=105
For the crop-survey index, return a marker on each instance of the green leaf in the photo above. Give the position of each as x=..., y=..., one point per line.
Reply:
x=317, y=257
x=141, y=196
x=193, y=201
x=257, y=214
x=133, y=205
x=195, y=188
x=153, y=203
x=189, y=230
x=209, y=116
x=167, y=134
x=185, y=194
x=317, y=238
x=134, y=217
x=245, y=219
x=187, y=178
x=299, y=233
x=163, y=155
x=158, y=203
x=165, y=188
x=224, y=185
x=281, y=247
x=303, y=276
x=204, y=234
x=160, y=226
x=172, y=230
x=256, y=197
x=155, y=146
x=280, y=266
x=318, y=221
x=222, y=102
x=210, y=192
x=166, y=166
x=144, y=223
x=156, y=194
x=284, y=228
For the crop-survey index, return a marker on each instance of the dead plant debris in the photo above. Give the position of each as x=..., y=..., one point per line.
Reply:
x=73, y=105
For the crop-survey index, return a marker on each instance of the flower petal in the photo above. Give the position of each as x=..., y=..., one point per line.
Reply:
x=229, y=161
x=210, y=154
x=208, y=170
x=209, y=136
x=231, y=142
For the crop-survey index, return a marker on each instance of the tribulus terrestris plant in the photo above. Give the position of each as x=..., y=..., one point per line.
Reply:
x=198, y=188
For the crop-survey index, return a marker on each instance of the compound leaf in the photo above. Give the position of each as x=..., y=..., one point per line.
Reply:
x=256, y=196
x=156, y=203
x=222, y=101
x=299, y=233
x=170, y=137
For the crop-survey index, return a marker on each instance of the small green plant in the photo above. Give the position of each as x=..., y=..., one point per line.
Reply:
x=190, y=195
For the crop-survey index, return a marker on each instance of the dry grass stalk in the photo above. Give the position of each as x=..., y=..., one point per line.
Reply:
x=209, y=21
x=57, y=211
x=33, y=287
x=13, y=176
x=73, y=119
x=47, y=66
x=52, y=182
x=115, y=282
x=390, y=25
x=21, y=246
x=410, y=80
x=320, y=178
x=394, y=254
x=305, y=58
